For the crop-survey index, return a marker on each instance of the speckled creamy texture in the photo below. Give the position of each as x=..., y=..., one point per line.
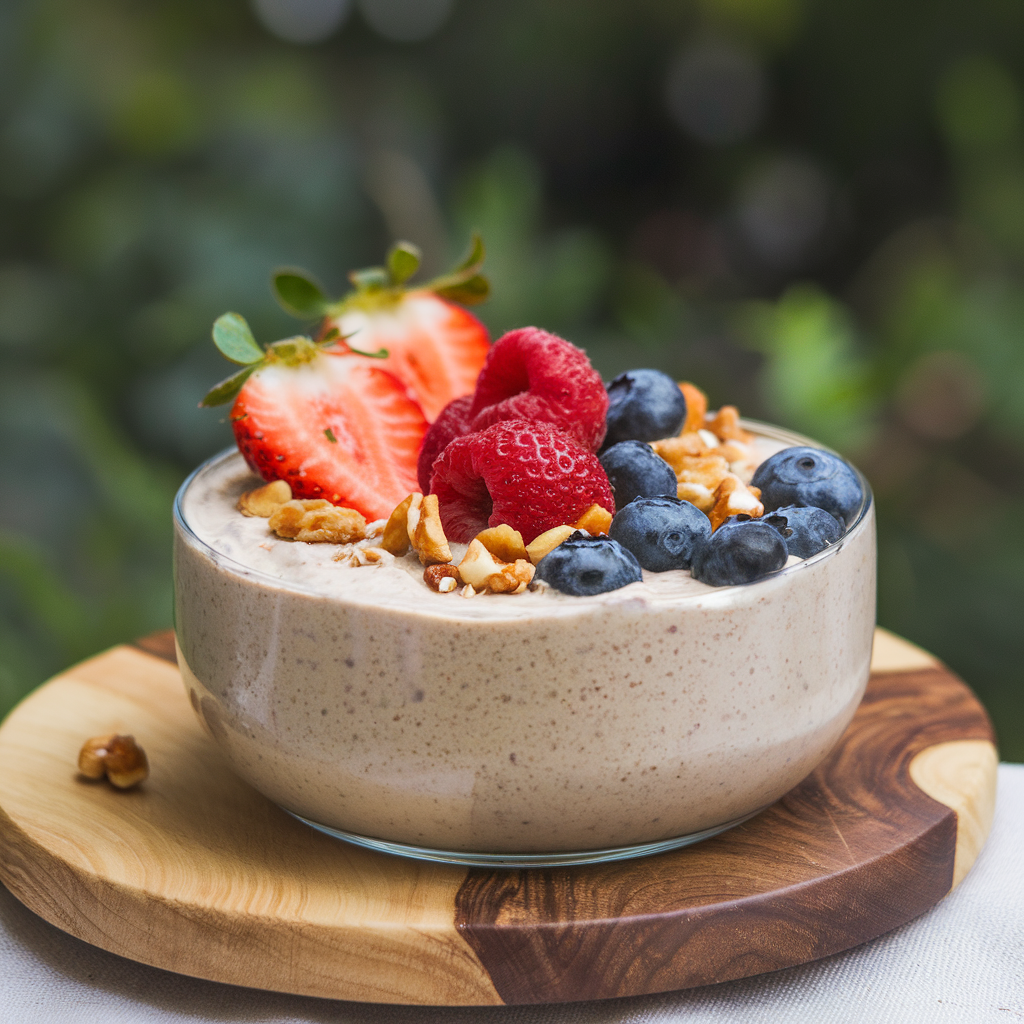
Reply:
x=538, y=722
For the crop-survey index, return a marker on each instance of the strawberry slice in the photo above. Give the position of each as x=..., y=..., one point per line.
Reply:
x=434, y=347
x=332, y=425
x=421, y=335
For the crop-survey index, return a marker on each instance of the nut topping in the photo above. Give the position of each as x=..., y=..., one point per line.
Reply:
x=482, y=571
x=264, y=501
x=396, y=530
x=425, y=531
x=726, y=425
x=120, y=758
x=733, y=497
x=442, y=578
x=317, y=521
x=503, y=542
x=696, y=406
x=595, y=520
x=548, y=541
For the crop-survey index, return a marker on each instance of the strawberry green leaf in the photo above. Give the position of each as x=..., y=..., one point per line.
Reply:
x=476, y=289
x=226, y=390
x=299, y=293
x=474, y=258
x=370, y=279
x=403, y=261
x=232, y=336
x=465, y=283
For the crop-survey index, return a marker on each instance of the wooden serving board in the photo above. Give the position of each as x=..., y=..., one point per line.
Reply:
x=197, y=873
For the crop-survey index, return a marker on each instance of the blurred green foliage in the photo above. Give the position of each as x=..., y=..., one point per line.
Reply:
x=814, y=210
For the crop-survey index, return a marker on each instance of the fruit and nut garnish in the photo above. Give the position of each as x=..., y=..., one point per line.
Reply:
x=426, y=435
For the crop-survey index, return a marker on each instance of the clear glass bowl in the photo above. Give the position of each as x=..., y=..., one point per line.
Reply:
x=535, y=729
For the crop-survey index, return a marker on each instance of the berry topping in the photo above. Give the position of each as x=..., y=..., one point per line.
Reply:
x=809, y=476
x=663, y=533
x=635, y=471
x=584, y=565
x=536, y=376
x=741, y=550
x=644, y=405
x=435, y=347
x=331, y=425
x=531, y=476
x=806, y=530
x=452, y=422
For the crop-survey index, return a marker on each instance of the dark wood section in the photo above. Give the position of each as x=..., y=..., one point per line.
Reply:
x=161, y=645
x=854, y=851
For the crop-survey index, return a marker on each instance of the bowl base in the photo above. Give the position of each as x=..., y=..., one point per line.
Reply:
x=524, y=860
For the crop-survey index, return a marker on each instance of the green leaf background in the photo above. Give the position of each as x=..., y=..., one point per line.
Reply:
x=845, y=255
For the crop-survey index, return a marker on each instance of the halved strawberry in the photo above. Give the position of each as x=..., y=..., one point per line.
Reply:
x=332, y=425
x=435, y=347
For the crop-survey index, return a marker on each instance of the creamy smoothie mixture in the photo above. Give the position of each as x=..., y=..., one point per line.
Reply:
x=535, y=722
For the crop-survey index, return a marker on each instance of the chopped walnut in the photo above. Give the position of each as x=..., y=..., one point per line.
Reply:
x=483, y=571
x=317, y=521
x=120, y=758
x=355, y=555
x=442, y=578
x=264, y=501
x=596, y=520
x=725, y=425
x=503, y=542
x=698, y=477
x=375, y=529
x=696, y=494
x=696, y=406
x=548, y=541
x=396, y=530
x=426, y=532
x=674, y=449
x=740, y=458
x=734, y=497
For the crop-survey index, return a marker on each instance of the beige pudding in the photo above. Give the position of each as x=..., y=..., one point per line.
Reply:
x=358, y=698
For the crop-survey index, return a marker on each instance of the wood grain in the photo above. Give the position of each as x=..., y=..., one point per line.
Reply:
x=197, y=873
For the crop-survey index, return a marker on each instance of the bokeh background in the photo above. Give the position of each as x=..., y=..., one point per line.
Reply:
x=812, y=208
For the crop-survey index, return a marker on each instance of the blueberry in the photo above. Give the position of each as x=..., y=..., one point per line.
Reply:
x=741, y=550
x=663, y=533
x=806, y=530
x=634, y=471
x=644, y=405
x=809, y=476
x=584, y=565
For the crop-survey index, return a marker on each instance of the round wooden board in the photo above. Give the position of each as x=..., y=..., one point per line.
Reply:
x=197, y=873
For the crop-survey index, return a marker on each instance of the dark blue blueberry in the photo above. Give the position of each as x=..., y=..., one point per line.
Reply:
x=663, y=533
x=809, y=476
x=644, y=405
x=635, y=471
x=584, y=565
x=741, y=550
x=805, y=530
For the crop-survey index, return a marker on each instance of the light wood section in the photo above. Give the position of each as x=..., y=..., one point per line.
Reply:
x=197, y=873
x=962, y=775
x=891, y=653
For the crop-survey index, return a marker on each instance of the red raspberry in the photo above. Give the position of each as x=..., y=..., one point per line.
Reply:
x=531, y=476
x=451, y=422
x=536, y=376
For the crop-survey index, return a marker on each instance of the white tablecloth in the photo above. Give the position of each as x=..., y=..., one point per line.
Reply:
x=961, y=962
